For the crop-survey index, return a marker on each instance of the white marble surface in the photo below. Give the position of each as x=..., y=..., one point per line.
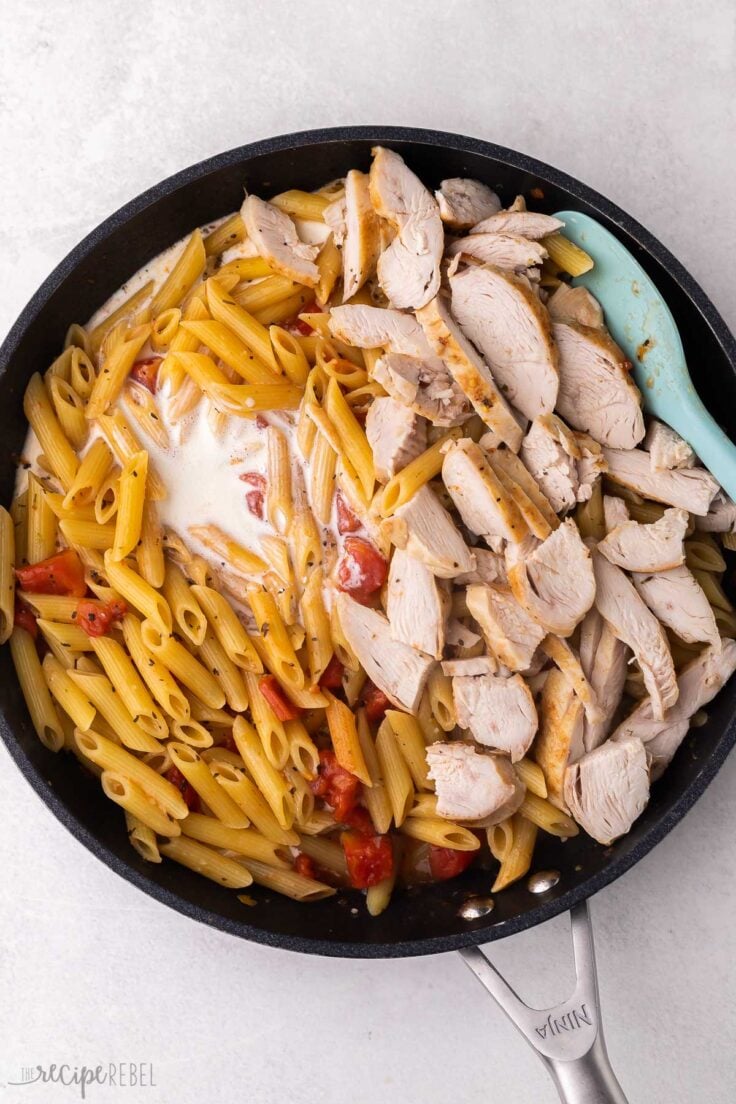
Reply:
x=99, y=101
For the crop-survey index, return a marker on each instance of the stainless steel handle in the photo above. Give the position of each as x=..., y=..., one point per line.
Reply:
x=568, y=1037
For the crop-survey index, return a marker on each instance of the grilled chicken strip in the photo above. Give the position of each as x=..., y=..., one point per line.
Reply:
x=473, y=786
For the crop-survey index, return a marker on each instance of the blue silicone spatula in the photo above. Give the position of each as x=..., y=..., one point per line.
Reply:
x=641, y=323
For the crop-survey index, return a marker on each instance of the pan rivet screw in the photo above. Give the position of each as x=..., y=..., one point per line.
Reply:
x=543, y=880
x=475, y=908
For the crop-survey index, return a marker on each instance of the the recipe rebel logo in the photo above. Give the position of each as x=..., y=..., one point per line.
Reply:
x=121, y=1075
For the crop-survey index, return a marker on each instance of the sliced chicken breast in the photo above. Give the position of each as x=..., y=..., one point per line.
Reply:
x=699, y=682
x=425, y=529
x=528, y=224
x=656, y=547
x=335, y=217
x=471, y=374
x=608, y=788
x=425, y=385
x=409, y=269
x=490, y=567
x=591, y=465
x=396, y=435
x=480, y=498
x=373, y=327
x=511, y=328
x=551, y=454
x=474, y=665
x=396, y=668
x=511, y=634
x=464, y=202
x=603, y=658
x=632, y=622
x=666, y=448
x=499, y=712
x=553, y=580
x=575, y=304
x=615, y=512
x=560, y=738
x=677, y=599
x=721, y=516
x=473, y=786
x=362, y=243
x=274, y=236
x=502, y=250
x=567, y=660
x=691, y=489
x=596, y=392
x=418, y=604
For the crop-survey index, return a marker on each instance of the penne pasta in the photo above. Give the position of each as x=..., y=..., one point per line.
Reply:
x=35, y=691
x=108, y=755
x=395, y=773
x=131, y=499
x=199, y=776
x=207, y=862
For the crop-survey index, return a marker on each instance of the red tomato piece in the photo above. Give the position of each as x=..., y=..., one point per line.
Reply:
x=282, y=706
x=97, y=618
x=24, y=619
x=370, y=859
x=347, y=522
x=261, y=422
x=61, y=573
x=299, y=326
x=186, y=789
x=375, y=703
x=254, y=500
x=336, y=786
x=304, y=865
x=445, y=863
x=362, y=569
x=145, y=372
x=332, y=675
x=255, y=479
x=359, y=819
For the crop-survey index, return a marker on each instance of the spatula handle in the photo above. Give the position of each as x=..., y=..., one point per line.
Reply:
x=701, y=431
x=569, y=1037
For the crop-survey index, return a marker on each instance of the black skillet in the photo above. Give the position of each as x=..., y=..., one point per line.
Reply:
x=427, y=919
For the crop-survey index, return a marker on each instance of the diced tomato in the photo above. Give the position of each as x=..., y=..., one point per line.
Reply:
x=370, y=859
x=24, y=619
x=255, y=498
x=97, y=618
x=284, y=709
x=359, y=820
x=255, y=479
x=362, y=570
x=332, y=675
x=347, y=522
x=261, y=422
x=304, y=865
x=61, y=573
x=186, y=789
x=297, y=325
x=335, y=785
x=145, y=372
x=445, y=863
x=375, y=703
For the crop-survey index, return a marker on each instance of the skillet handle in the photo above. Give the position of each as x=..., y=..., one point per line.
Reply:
x=568, y=1037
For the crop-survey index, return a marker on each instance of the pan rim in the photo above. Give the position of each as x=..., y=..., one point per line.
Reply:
x=619, y=864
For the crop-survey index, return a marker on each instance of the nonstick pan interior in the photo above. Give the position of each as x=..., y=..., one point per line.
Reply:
x=425, y=919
